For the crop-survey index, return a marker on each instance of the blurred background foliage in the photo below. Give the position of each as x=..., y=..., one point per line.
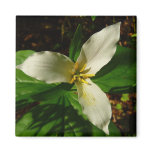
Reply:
x=43, y=111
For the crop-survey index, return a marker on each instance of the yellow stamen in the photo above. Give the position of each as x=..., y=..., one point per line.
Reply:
x=80, y=75
x=82, y=69
x=85, y=76
x=76, y=65
x=82, y=80
x=73, y=79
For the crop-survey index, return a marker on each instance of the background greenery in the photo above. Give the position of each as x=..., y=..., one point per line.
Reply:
x=52, y=109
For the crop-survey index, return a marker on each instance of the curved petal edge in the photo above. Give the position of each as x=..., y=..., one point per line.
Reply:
x=99, y=49
x=95, y=104
x=48, y=66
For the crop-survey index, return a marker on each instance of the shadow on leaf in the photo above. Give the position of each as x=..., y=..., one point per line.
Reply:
x=123, y=56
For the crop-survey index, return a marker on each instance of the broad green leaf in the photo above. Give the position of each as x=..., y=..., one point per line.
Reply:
x=44, y=94
x=59, y=119
x=23, y=125
x=76, y=44
x=73, y=99
x=119, y=75
x=113, y=130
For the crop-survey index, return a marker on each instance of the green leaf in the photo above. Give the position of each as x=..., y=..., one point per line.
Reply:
x=118, y=106
x=113, y=130
x=93, y=18
x=42, y=93
x=76, y=44
x=59, y=119
x=134, y=35
x=23, y=125
x=26, y=90
x=119, y=75
x=125, y=97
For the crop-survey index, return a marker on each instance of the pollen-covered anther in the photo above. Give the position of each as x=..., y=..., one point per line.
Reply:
x=78, y=75
x=81, y=78
x=72, y=80
x=82, y=69
x=83, y=81
x=85, y=76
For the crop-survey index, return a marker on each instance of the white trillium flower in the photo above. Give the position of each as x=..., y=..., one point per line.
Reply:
x=96, y=52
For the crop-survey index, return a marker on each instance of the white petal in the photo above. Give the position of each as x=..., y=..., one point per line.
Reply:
x=48, y=66
x=95, y=104
x=98, y=50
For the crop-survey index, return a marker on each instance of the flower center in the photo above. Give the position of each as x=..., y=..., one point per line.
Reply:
x=79, y=75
